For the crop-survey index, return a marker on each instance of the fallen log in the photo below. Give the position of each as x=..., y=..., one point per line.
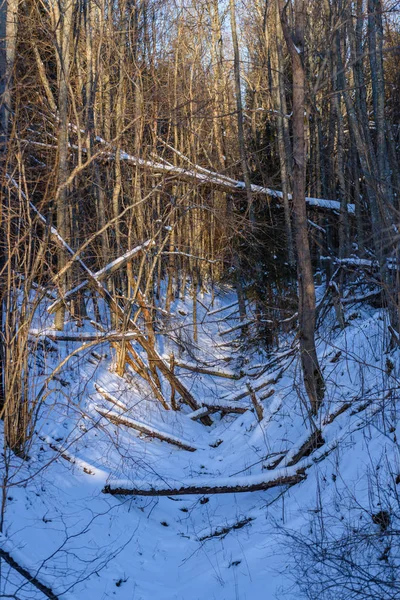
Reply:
x=226, y=407
x=313, y=442
x=204, y=371
x=288, y=475
x=116, y=309
x=218, y=310
x=7, y=556
x=236, y=327
x=210, y=409
x=258, y=387
x=199, y=413
x=223, y=531
x=342, y=408
x=118, y=419
x=361, y=297
x=199, y=175
x=107, y=396
x=60, y=336
x=86, y=468
x=134, y=489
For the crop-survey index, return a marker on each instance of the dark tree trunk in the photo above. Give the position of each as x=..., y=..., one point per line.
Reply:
x=313, y=380
x=3, y=141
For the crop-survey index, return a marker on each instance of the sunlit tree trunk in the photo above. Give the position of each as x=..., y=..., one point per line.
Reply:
x=62, y=16
x=8, y=38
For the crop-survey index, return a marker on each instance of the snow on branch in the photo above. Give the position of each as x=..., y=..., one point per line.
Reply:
x=117, y=419
x=200, y=175
x=223, y=406
x=206, y=485
x=204, y=371
x=103, y=273
x=61, y=336
x=354, y=261
x=14, y=558
x=307, y=453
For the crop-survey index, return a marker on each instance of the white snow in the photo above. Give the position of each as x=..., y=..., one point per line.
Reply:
x=85, y=544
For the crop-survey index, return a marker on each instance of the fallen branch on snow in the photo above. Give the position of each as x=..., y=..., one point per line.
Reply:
x=257, y=405
x=204, y=371
x=223, y=531
x=7, y=555
x=118, y=419
x=226, y=407
x=204, y=486
x=86, y=468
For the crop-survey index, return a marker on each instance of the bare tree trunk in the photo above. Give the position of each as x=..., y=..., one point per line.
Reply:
x=282, y=147
x=8, y=32
x=384, y=183
x=239, y=108
x=313, y=380
x=242, y=150
x=3, y=148
x=63, y=21
x=378, y=95
x=338, y=85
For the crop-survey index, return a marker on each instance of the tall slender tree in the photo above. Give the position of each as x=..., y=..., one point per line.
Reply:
x=295, y=41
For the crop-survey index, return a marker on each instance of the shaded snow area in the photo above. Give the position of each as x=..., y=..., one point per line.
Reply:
x=335, y=525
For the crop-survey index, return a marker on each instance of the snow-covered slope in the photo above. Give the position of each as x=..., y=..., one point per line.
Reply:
x=97, y=431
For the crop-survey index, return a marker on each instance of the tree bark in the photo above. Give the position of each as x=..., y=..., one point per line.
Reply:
x=313, y=379
x=206, y=488
x=239, y=109
x=63, y=21
x=280, y=106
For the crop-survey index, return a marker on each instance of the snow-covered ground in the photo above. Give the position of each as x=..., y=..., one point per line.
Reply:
x=85, y=544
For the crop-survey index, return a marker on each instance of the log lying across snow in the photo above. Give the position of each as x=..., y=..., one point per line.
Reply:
x=283, y=476
x=205, y=371
x=202, y=485
x=81, y=464
x=227, y=407
x=221, y=406
x=12, y=557
x=361, y=263
x=199, y=413
x=109, y=397
x=118, y=419
x=257, y=388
